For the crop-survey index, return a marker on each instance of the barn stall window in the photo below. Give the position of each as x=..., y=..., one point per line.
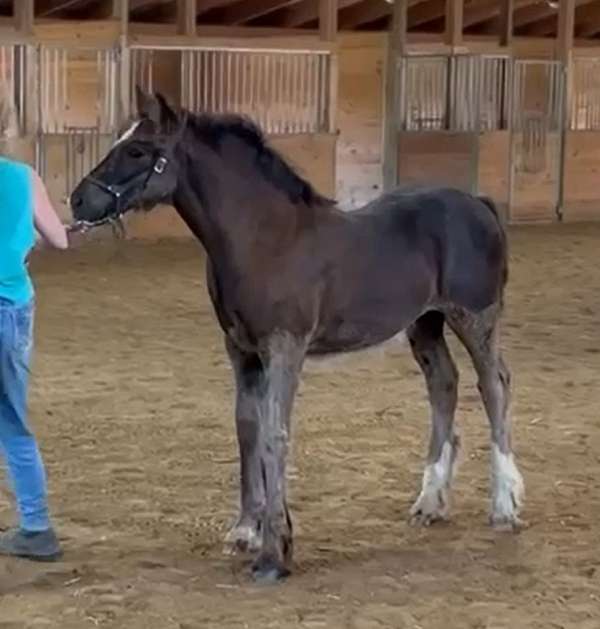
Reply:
x=284, y=91
x=454, y=93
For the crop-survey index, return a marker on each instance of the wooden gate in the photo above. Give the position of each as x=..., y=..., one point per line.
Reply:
x=78, y=113
x=16, y=100
x=447, y=102
x=536, y=144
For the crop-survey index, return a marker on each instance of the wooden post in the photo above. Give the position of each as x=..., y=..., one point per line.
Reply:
x=328, y=19
x=120, y=11
x=564, y=53
x=24, y=14
x=507, y=9
x=454, y=22
x=396, y=48
x=186, y=17
x=566, y=29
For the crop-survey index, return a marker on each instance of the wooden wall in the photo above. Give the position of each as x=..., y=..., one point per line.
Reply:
x=582, y=175
x=493, y=167
x=437, y=158
x=360, y=117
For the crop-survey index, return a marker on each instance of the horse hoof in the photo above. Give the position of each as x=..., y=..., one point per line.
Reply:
x=268, y=571
x=242, y=539
x=429, y=509
x=422, y=519
x=507, y=524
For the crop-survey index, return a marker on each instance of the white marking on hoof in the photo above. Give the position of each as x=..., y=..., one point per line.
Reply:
x=242, y=538
x=433, y=503
x=507, y=492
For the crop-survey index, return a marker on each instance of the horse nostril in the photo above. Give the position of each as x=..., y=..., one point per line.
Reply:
x=76, y=201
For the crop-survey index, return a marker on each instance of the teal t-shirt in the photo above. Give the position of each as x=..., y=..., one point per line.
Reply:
x=17, y=231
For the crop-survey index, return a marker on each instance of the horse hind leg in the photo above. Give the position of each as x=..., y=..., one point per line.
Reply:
x=431, y=352
x=480, y=335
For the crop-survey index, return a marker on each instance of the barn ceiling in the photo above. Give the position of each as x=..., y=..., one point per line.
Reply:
x=531, y=17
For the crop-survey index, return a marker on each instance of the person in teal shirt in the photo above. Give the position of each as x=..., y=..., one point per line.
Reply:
x=24, y=209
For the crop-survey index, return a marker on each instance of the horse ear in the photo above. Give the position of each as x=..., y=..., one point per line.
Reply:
x=147, y=105
x=167, y=113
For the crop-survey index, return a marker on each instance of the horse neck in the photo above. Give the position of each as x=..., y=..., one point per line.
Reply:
x=230, y=207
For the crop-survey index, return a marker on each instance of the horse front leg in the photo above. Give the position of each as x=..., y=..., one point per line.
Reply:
x=250, y=379
x=284, y=358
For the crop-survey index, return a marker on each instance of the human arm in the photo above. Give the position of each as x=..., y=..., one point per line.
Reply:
x=46, y=220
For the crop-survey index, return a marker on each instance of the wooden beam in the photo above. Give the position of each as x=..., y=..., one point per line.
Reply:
x=24, y=13
x=244, y=11
x=507, y=8
x=120, y=11
x=566, y=30
x=328, y=20
x=186, y=17
x=397, y=40
x=454, y=22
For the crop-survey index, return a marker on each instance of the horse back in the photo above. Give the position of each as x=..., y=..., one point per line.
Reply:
x=460, y=234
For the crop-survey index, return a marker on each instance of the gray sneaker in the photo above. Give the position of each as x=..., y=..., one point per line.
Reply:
x=39, y=546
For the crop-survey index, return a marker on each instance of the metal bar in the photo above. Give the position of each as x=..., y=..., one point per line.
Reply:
x=261, y=50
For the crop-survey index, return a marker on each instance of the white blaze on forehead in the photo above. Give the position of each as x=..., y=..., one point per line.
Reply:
x=128, y=132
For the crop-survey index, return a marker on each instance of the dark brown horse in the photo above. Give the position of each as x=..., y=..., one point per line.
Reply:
x=291, y=277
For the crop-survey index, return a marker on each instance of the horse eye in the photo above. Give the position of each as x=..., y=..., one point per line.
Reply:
x=135, y=152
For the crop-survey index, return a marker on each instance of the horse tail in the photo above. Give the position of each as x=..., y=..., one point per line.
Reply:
x=489, y=203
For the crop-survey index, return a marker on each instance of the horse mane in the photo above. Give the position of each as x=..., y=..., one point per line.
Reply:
x=214, y=128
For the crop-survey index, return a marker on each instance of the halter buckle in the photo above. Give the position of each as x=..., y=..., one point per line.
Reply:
x=160, y=165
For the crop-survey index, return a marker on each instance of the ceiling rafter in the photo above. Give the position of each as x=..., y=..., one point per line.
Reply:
x=369, y=11
x=587, y=20
x=549, y=25
x=536, y=18
x=303, y=13
x=244, y=11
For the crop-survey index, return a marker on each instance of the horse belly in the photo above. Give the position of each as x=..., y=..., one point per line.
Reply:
x=337, y=356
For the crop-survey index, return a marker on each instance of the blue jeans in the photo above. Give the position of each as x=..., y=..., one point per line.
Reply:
x=17, y=443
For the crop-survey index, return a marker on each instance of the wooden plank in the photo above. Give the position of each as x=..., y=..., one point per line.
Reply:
x=89, y=32
x=582, y=170
x=328, y=19
x=454, y=22
x=436, y=158
x=360, y=117
x=186, y=17
x=218, y=38
x=506, y=22
x=396, y=49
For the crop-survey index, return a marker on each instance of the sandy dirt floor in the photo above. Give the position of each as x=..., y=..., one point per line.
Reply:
x=132, y=402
